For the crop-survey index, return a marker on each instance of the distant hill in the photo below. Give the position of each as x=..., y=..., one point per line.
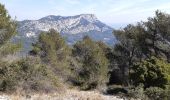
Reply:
x=73, y=28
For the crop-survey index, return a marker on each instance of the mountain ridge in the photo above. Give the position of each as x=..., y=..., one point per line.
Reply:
x=74, y=28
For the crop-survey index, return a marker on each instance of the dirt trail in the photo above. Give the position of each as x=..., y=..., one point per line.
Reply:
x=68, y=95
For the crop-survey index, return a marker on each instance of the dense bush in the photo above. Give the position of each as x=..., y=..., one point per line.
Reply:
x=151, y=72
x=140, y=42
x=54, y=52
x=155, y=93
x=93, y=71
x=28, y=74
x=137, y=92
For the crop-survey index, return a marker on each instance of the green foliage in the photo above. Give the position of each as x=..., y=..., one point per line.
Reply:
x=155, y=93
x=7, y=26
x=140, y=42
x=51, y=47
x=151, y=93
x=8, y=80
x=108, y=52
x=137, y=93
x=142, y=55
x=53, y=50
x=28, y=74
x=7, y=30
x=94, y=69
x=127, y=50
x=88, y=63
x=157, y=35
x=150, y=72
x=10, y=48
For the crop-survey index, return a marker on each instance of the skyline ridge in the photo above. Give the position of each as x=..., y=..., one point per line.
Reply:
x=108, y=11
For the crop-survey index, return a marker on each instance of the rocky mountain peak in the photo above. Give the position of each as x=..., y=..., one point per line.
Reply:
x=74, y=28
x=88, y=17
x=51, y=18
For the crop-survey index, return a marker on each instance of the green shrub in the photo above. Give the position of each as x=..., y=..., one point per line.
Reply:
x=8, y=75
x=156, y=93
x=137, y=93
x=151, y=72
x=28, y=74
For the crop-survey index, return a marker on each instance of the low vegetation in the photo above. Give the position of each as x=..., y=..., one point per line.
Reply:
x=138, y=66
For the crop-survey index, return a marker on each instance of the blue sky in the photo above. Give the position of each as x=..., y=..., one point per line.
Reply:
x=111, y=12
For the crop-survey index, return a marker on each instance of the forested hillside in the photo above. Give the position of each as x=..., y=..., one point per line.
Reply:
x=137, y=66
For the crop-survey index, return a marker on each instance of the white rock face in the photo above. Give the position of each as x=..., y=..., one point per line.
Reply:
x=30, y=34
x=71, y=24
x=71, y=27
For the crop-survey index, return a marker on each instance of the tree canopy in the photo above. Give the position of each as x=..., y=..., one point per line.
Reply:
x=94, y=69
x=7, y=26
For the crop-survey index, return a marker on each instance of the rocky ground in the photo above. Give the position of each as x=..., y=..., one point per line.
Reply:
x=67, y=95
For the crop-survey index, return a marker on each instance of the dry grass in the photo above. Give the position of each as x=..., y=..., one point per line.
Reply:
x=10, y=58
x=67, y=95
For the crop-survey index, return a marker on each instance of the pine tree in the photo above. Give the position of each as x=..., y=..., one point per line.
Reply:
x=52, y=49
x=94, y=69
x=7, y=26
x=7, y=31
